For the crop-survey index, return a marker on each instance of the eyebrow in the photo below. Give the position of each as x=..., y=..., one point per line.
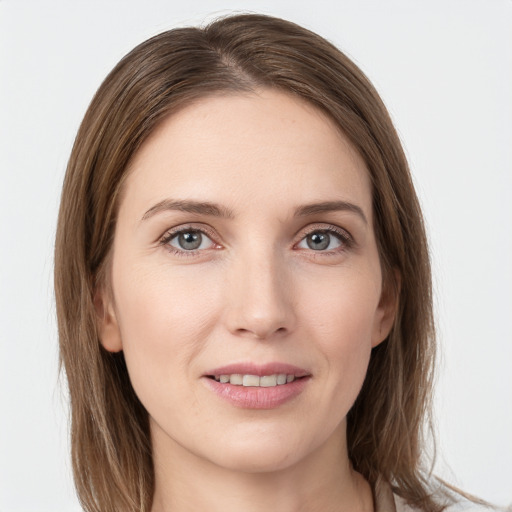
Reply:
x=330, y=206
x=215, y=210
x=198, y=207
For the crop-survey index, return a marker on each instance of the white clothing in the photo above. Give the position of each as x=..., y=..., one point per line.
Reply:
x=387, y=501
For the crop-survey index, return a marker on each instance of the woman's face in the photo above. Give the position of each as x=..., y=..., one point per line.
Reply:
x=246, y=281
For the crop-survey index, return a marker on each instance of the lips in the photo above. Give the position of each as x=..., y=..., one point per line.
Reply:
x=252, y=386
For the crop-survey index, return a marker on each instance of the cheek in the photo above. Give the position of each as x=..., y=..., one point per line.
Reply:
x=342, y=306
x=164, y=318
x=341, y=319
x=161, y=301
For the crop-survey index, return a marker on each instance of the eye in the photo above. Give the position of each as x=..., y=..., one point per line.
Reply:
x=188, y=240
x=325, y=240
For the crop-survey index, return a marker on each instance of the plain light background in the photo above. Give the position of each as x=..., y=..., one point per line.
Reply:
x=444, y=69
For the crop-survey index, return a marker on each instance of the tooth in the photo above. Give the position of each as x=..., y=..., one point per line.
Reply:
x=236, y=379
x=265, y=381
x=251, y=380
x=268, y=381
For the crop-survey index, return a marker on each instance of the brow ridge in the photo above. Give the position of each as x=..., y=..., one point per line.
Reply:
x=189, y=206
x=330, y=206
x=215, y=210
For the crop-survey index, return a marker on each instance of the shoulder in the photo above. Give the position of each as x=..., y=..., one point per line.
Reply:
x=462, y=505
x=453, y=500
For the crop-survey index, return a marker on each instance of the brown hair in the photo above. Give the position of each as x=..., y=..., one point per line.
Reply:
x=110, y=439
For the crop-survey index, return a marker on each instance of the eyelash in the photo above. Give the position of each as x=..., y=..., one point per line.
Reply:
x=346, y=240
x=169, y=235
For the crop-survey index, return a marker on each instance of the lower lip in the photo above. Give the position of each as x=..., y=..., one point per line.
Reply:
x=247, y=397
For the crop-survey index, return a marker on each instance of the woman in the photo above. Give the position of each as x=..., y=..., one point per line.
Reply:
x=243, y=284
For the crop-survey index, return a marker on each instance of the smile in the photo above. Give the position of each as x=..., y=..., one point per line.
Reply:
x=264, y=381
x=253, y=386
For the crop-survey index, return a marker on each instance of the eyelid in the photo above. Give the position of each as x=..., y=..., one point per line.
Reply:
x=344, y=235
x=346, y=238
x=183, y=228
x=319, y=226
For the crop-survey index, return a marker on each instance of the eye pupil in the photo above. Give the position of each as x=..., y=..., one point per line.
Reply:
x=190, y=240
x=318, y=241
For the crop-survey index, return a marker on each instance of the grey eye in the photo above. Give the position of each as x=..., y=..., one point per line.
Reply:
x=318, y=241
x=190, y=240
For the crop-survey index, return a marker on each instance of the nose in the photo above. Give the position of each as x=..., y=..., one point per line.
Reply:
x=260, y=298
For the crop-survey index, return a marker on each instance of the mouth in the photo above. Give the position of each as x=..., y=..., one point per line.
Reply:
x=252, y=386
x=257, y=375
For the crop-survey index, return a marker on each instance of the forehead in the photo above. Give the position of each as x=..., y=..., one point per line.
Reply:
x=267, y=145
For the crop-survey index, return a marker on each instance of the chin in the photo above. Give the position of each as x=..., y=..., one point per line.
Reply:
x=258, y=458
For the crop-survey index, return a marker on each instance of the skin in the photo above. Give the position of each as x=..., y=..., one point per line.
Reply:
x=253, y=291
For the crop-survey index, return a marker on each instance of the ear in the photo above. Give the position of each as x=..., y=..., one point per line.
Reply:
x=387, y=308
x=106, y=321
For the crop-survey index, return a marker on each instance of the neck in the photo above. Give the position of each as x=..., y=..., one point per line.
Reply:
x=322, y=481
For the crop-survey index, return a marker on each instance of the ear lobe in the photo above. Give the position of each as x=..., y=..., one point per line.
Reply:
x=387, y=309
x=106, y=322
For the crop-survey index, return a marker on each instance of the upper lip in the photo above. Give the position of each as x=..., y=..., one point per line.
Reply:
x=250, y=368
